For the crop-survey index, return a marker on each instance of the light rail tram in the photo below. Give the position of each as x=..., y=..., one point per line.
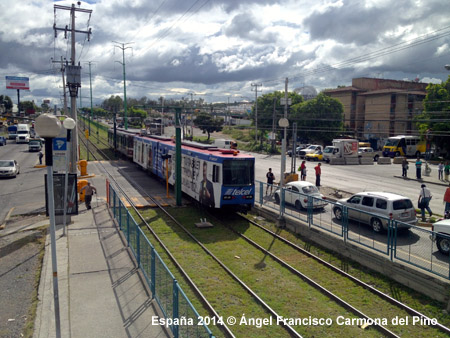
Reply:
x=217, y=178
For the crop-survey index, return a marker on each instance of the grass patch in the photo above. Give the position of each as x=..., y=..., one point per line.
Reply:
x=285, y=293
x=414, y=299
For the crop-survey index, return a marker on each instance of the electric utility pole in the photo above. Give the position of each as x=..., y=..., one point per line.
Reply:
x=63, y=69
x=73, y=75
x=124, y=80
x=90, y=115
x=256, y=85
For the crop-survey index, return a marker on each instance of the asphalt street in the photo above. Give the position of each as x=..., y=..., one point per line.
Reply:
x=25, y=193
x=358, y=178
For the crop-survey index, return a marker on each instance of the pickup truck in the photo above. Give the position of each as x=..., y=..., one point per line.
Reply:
x=369, y=152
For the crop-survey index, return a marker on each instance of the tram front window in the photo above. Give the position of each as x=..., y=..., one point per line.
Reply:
x=238, y=172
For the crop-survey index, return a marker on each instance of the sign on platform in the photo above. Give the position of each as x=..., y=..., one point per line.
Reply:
x=58, y=191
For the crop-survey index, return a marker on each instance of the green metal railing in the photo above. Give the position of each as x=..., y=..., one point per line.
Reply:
x=165, y=289
x=415, y=246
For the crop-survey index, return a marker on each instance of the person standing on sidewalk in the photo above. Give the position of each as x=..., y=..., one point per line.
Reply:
x=446, y=171
x=419, y=169
x=41, y=155
x=270, y=178
x=90, y=190
x=447, y=199
x=318, y=173
x=302, y=170
x=424, y=201
x=405, y=167
x=440, y=171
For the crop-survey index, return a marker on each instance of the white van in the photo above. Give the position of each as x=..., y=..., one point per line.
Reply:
x=23, y=133
x=225, y=144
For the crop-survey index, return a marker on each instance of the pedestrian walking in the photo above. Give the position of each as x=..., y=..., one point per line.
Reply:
x=318, y=173
x=90, y=190
x=302, y=170
x=441, y=171
x=424, y=201
x=446, y=171
x=419, y=169
x=270, y=178
x=41, y=155
x=447, y=200
x=405, y=167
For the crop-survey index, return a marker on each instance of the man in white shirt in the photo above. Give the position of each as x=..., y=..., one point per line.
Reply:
x=424, y=201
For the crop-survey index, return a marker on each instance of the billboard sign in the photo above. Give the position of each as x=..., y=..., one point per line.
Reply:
x=15, y=82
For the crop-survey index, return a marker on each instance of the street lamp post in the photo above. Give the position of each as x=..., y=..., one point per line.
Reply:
x=69, y=124
x=48, y=126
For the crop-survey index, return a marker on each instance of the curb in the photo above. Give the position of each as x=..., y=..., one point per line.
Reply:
x=30, y=236
x=422, y=181
x=8, y=216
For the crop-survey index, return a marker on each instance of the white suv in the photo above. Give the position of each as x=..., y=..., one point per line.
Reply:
x=443, y=242
x=366, y=206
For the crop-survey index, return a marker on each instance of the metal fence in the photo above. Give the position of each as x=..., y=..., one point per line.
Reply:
x=171, y=299
x=415, y=246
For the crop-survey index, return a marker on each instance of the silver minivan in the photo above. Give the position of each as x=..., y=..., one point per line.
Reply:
x=366, y=206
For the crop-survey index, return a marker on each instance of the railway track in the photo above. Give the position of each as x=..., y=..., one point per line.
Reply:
x=255, y=241
x=390, y=301
x=212, y=312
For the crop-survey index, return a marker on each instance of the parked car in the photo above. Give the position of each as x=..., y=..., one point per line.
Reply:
x=297, y=150
x=297, y=192
x=317, y=156
x=375, y=208
x=311, y=149
x=442, y=235
x=2, y=141
x=9, y=168
x=368, y=152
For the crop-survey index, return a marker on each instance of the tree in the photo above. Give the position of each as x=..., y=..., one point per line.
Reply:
x=266, y=105
x=139, y=113
x=28, y=106
x=45, y=107
x=208, y=124
x=435, y=114
x=113, y=104
x=319, y=119
x=6, y=101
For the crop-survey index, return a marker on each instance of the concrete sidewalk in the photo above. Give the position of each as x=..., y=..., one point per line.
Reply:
x=101, y=292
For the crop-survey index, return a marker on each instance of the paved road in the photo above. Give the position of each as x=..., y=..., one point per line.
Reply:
x=357, y=178
x=26, y=192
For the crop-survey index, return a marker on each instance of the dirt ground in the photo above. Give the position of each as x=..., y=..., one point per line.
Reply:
x=21, y=255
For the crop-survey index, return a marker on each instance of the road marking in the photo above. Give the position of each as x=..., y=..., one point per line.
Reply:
x=7, y=218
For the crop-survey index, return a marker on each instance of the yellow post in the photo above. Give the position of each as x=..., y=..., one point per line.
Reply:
x=81, y=184
x=83, y=167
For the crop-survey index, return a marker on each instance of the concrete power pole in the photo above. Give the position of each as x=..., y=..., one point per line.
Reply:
x=125, y=120
x=73, y=76
x=63, y=69
x=256, y=85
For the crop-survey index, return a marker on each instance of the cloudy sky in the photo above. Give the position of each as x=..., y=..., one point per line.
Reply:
x=215, y=49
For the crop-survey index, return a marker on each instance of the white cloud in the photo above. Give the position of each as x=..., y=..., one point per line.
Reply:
x=222, y=47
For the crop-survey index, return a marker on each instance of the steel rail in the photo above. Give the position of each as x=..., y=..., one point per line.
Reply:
x=359, y=282
x=291, y=331
x=185, y=275
x=316, y=285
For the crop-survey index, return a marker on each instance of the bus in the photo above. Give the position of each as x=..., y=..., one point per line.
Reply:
x=404, y=145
